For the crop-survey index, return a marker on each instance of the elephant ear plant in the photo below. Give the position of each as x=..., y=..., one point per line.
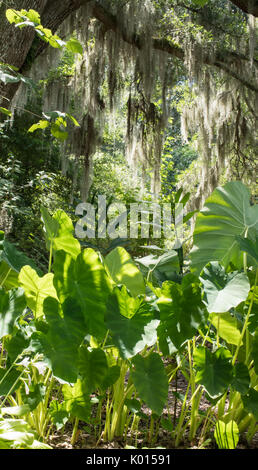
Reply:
x=93, y=342
x=90, y=322
x=225, y=255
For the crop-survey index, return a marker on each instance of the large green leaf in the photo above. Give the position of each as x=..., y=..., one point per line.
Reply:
x=66, y=330
x=85, y=280
x=77, y=400
x=226, y=326
x=223, y=291
x=15, y=410
x=213, y=370
x=36, y=289
x=65, y=239
x=150, y=380
x=8, y=277
x=162, y=268
x=122, y=270
x=226, y=214
x=59, y=231
x=12, y=305
x=42, y=124
x=182, y=312
x=132, y=334
x=94, y=369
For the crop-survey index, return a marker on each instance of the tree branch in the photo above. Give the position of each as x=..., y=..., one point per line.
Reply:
x=55, y=12
x=247, y=6
x=219, y=61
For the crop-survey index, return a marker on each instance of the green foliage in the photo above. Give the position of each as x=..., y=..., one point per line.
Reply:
x=200, y=3
x=160, y=268
x=5, y=111
x=132, y=323
x=182, y=312
x=226, y=326
x=12, y=304
x=17, y=434
x=58, y=230
x=93, y=366
x=36, y=289
x=77, y=400
x=176, y=158
x=22, y=18
x=85, y=280
x=57, y=122
x=23, y=189
x=123, y=270
x=100, y=327
x=150, y=381
x=213, y=370
x=250, y=247
x=223, y=291
x=227, y=213
x=241, y=378
x=226, y=435
x=8, y=75
x=13, y=257
x=66, y=330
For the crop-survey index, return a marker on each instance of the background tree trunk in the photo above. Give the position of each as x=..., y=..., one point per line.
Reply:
x=15, y=43
x=248, y=6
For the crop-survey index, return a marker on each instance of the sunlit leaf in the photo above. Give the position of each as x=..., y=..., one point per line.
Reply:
x=85, y=280
x=74, y=45
x=42, y=124
x=226, y=434
x=123, y=270
x=5, y=111
x=227, y=327
x=77, y=400
x=36, y=289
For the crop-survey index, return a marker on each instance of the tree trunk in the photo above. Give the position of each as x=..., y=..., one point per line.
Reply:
x=247, y=6
x=15, y=43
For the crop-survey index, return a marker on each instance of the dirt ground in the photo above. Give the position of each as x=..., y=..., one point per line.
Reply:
x=163, y=439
